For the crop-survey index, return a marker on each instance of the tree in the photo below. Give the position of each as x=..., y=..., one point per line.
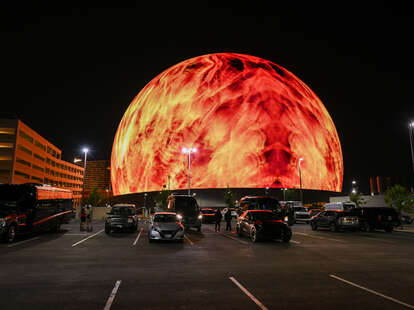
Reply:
x=357, y=199
x=94, y=198
x=399, y=198
x=229, y=198
x=161, y=197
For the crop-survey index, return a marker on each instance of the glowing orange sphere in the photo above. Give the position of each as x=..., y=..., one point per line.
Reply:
x=250, y=120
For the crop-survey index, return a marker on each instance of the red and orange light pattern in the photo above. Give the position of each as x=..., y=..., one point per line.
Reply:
x=250, y=119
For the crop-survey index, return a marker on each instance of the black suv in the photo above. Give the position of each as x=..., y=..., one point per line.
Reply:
x=335, y=220
x=372, y=218
x=122, y=217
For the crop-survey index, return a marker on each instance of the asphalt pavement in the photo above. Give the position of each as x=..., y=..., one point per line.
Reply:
x=317, y=269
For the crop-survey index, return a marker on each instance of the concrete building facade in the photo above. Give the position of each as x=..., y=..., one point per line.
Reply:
x=26, y=156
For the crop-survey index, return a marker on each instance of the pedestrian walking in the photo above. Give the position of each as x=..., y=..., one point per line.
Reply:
x=217, y=218
x=88, y=218
x=227, y=218
x=82, y=218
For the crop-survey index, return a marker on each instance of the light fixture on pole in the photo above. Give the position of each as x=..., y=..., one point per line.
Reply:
x=188, y=151
x=411, y=133
x=85, y=150
x=300, y=180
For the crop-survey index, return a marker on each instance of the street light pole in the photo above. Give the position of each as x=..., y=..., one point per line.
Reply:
x=300, y=180
x=188, y=151
x=410, y=131
x=85, y=150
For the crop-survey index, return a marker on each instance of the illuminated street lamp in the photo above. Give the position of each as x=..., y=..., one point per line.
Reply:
x=300, y=180
x=85, y=150
x=411, y=133
x=188, y=151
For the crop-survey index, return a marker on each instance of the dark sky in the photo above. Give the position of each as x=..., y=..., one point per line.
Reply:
x=70, y=71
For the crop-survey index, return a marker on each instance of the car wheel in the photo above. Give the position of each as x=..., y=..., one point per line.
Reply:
x=253, y=235
x=388, y=229
x=367, y=227
x=314, y=226
x=10, y=235
x=332, y=227
x=286, y=235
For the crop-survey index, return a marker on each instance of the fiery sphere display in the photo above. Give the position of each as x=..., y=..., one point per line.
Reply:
x=250, y=120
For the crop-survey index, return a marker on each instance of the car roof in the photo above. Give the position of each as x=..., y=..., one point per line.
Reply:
x=156, y=213
x=260, y=211
x=255, y=197
x=124, y=205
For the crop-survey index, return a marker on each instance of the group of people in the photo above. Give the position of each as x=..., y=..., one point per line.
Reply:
x=218, y=216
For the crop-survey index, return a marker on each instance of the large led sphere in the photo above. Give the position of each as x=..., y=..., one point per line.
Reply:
x=250, y=120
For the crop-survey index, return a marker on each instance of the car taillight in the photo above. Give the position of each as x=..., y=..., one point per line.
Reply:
x=258, y=222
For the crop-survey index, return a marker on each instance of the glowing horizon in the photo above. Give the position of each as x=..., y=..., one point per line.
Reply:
x=249, y=119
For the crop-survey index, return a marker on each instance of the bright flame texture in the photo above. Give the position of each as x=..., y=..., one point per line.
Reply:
x=250, y=120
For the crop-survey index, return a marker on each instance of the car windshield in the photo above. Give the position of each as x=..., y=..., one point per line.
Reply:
x=165, y=218
x=264, y=216
x=123, y=211
x=265, y=204
x=299, y=209
x=348, y=206
x=186, y=205
x=207, y=211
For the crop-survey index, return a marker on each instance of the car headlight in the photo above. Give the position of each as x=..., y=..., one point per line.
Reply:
x=200, y=217
x=2, y=222
x=286, y=219
x=179, y=216
x=130, y=220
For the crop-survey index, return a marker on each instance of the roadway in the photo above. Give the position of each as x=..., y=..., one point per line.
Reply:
x=318, y=269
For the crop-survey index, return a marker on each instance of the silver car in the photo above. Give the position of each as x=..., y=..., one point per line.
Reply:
x=166, y=226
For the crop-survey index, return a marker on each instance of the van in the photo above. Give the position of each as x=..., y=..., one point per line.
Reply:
x=187, y=210
x=340, y=206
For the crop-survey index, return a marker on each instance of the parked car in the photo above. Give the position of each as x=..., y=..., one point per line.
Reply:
x=301, y=215
x=340, y=206
x=233, y=213
x=208, y=215
x=406, y=219
x=372, y=218
x=122, y=217
x=262, y=224
x=187, y=210
x=166, y=226
x=283, y=212
x=335, y=220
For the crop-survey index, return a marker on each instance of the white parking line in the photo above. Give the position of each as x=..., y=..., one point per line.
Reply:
x=317, y=237
x=233, y=238
x=188, y=239
x=373, y=292
x=79, y=242
x=112, y=296
x=21, y=242
x=293, y=241
x=244, y=290
x=136, y=240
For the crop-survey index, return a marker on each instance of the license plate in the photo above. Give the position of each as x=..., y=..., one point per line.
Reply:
x=167, y=236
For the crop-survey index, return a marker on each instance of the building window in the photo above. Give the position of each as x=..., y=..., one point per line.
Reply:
x=38, y=168
x=23, y=162
x=37, y=179
x=22, y=148
x=7, y=131
x=39, y=157
x=40, y=145
x=25, y=136
x=24, y=175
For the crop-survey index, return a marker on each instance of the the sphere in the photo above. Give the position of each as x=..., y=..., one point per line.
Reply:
x=250, y=120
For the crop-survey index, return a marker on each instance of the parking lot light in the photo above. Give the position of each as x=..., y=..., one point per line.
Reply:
x=411, y=135
x=85, y=150
x=300, y=180
x=188, y=151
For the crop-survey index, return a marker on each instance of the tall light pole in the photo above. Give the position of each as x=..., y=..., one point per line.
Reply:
x=85, y=150
x=300, y=180
x=411, y=133
x=188, y=151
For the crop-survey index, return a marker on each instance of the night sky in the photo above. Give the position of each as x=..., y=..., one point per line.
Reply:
x=71, y=71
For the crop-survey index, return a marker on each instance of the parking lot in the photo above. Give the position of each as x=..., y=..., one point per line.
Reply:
x=317, y=269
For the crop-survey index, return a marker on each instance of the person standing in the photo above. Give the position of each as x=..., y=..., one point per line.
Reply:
x=82, y=218
x=217, y=218
x=227, y=218
x=88, y=218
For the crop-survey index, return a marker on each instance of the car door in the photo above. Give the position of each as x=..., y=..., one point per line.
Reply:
x=244, y=223
x=322, y=219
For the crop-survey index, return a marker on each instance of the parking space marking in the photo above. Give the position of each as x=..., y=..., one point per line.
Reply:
x=244, y=290
x=136, y=240
x=317, y=237
x=83, y=240
x=112, y=296
x=21, y=242
x=233, y=238
x=294, y=241
x=373, y=292
x=189, y=240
